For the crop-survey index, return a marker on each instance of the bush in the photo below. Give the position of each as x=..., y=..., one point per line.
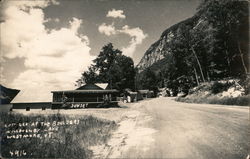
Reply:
x=211, y=93
x=243, y=101
x=245, y=82
x=240, y=101
x=219, y=87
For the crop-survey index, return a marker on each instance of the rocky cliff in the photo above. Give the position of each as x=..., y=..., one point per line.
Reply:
x=212, y=45
x=160, y=49
x=219, y=34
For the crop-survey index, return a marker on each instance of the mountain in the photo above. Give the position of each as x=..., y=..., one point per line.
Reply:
x=7, y=94
x=159, y=50
x=211, y=45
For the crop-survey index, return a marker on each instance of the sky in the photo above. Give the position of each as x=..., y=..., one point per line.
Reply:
x=47, y=44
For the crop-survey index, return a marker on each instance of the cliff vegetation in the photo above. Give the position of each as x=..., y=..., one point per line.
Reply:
x=210, y=46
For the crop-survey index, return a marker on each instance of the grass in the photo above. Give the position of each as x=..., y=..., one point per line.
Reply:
x=241, y=101
x=66, y=141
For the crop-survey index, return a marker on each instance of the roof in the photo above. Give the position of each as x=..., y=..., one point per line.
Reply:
x=87, y=91
x=38, y=96
x=96, y=86
x=102, y=85
x=129, y=91
x=143, y=91
x=7, y=94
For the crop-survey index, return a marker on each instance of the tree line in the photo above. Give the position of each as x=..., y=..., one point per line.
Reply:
x=212, y=45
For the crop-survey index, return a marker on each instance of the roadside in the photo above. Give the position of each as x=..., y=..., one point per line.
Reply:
x=164, y=128
x=26, y=136
x=226, y=92
x=132, y=130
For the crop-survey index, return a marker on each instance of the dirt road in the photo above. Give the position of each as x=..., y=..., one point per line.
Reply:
x=199, y=131
x=164, y=128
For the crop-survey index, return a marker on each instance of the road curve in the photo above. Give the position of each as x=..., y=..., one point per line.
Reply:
x=195, y=131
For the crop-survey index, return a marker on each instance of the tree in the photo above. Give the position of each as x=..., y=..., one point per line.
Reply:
x=111, y=67
x=104, y=61
x=181, y=70
x=149, y=81
x=123, y=68
x=90, y=76
x=230, y=19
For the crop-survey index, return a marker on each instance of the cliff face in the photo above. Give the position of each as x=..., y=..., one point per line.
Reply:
x=160, y=49
x=211, y=45
x=215, y=38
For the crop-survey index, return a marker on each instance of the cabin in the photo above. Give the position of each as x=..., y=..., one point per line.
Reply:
x=130, y=96
x=144, y=94
x=23, y=101
x=86, y=96
x=32, y=105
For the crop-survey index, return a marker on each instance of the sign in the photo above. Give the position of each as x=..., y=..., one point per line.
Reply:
x=38, y=129
x=79, y=105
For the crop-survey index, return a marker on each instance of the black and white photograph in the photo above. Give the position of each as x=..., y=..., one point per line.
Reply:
x=124, y=79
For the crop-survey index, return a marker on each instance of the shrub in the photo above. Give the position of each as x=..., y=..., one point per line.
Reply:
x=245, y=82
x=241, y=101
x=219, y=87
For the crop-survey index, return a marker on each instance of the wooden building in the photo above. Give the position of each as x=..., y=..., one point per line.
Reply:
x=87, y=96
x=32, y=105
x=130, y=96
x=22, y=102
x=144, y=94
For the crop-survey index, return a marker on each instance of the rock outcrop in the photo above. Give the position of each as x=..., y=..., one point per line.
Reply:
x=218, y=34
x=160, y=49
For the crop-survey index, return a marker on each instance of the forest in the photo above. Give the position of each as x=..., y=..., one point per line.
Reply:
x=212, y=45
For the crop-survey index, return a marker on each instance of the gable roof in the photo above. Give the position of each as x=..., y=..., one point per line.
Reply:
x=143, y=91
x=25, y=96
x=102, y=85
x=87, y=91
x=97, y=86
x=7, y=94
